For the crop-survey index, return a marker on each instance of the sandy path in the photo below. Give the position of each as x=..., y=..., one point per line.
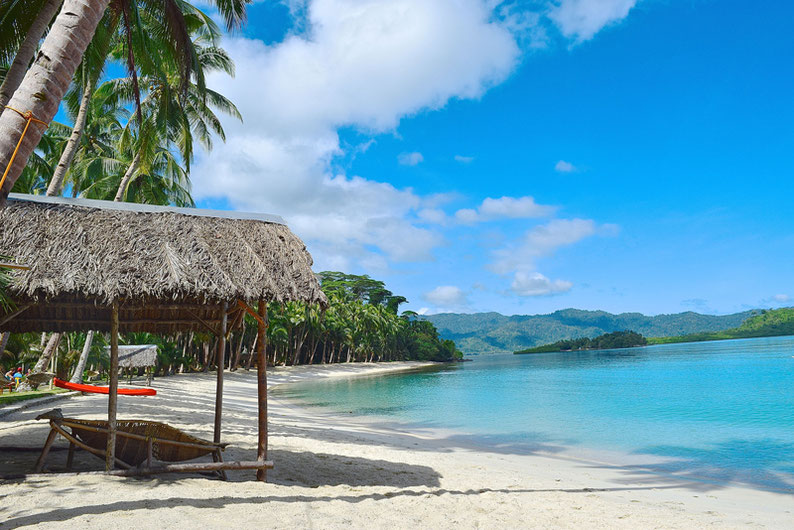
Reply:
x=340, y=471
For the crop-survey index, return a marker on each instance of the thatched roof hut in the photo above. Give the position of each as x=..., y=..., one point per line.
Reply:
x=169, y=268
x=136, y=355
x=106, y=266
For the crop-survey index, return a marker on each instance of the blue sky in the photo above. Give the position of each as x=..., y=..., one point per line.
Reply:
x=522, y=157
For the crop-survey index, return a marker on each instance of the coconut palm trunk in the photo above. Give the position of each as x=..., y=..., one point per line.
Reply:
x=77, y=376
x=16, y=72
x=56, y=182
x=46, y=355
x=3, y=341
x=45, y=83
x=127, y=178
x=44, y=359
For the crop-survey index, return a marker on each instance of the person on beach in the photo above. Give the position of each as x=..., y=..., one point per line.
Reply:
x=18, y=377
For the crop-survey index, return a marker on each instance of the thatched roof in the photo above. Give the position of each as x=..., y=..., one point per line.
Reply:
x=165, y=265
x=136, y=356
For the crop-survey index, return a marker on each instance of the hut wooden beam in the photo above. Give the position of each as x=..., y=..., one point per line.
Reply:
x=6, y=265
x=261, y=387
x=14, y=314
x=110, y=453
x=219, y=362
x=212, y=329
x=250, y=311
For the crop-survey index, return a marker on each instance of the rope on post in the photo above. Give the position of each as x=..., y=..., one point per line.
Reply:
x=30, y=118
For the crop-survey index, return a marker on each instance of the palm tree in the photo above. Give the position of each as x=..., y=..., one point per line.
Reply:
x=48, y=78
x=22, y=24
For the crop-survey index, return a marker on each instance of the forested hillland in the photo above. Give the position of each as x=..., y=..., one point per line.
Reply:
x=479, y=333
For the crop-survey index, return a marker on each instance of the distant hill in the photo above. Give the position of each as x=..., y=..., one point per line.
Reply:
x=497, y=333
x=771, y=323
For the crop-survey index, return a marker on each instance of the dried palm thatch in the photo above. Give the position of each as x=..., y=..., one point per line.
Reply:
x=136, y=356
x=167, y=267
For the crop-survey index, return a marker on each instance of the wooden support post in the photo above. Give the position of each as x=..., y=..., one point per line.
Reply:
x=70, y=456
x=45, y=450
x=220, y=364
x=261, y=384
x=113, y=386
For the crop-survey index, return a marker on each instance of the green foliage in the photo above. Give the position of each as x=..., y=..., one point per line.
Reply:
x=360, y=325
x=768, y=323
x=607, y=341
x=496, y=333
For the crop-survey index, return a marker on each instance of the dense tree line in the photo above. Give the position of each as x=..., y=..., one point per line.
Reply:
x=361, y=324
x=607, y=341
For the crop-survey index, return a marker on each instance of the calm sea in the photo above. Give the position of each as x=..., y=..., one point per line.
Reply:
x=714, y=411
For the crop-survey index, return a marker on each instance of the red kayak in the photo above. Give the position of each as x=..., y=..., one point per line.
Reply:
x=103, y=389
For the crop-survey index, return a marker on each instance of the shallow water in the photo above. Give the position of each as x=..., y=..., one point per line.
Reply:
x=716, y=411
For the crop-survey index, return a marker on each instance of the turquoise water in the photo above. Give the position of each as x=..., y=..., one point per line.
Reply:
x=715, y=411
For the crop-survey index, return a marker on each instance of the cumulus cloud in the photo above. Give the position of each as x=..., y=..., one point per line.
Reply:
x=364, y=64
x=464, y=159
x=781, y=298
x=410, y=159
x=520, y=257
x=582, y=19
x=564, y=167
x=446, y=296
x=536, y=284
x=541, y=241
x=504, y=208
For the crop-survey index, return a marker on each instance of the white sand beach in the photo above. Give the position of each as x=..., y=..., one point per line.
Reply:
x=334, y=471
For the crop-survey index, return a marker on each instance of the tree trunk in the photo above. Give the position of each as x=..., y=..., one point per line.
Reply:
x=206, y=346
x=45, y=83
x=16, y=72
x=125, y=181
x=3, y=341
x=46, y=355
x=77, y=376
x=45, y=358
x=251, y=354
x=237, y=353
x=56, y=182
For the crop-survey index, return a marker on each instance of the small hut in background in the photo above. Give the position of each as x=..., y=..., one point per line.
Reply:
x=122, y=267
x=136, y=356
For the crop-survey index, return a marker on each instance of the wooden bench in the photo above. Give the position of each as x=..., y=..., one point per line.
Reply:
x=138, y=444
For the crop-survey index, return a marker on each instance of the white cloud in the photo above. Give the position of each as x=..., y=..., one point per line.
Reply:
x=410, y=159
x=535, y=284
x=781, y=298
x=520, y=257
x=464, y=159
x=446, y=296
x=582, y=19
x=432, y=215
x=504, y=208
x=514, y=208
x=467, y=216
x=541, y=241
x=564, y=167
x=364, y=64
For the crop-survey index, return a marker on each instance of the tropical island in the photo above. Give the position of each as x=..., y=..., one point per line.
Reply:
x=607, y=341
x=768, y=323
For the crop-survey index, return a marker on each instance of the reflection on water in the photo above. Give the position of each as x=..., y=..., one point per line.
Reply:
x=724, y=409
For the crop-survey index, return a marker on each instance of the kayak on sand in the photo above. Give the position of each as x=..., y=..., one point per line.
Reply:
x=103, y=389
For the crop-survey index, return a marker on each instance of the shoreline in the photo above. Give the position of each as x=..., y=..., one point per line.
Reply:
x=337, y=470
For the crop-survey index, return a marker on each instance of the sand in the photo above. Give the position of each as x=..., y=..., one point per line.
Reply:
x=334, y=470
